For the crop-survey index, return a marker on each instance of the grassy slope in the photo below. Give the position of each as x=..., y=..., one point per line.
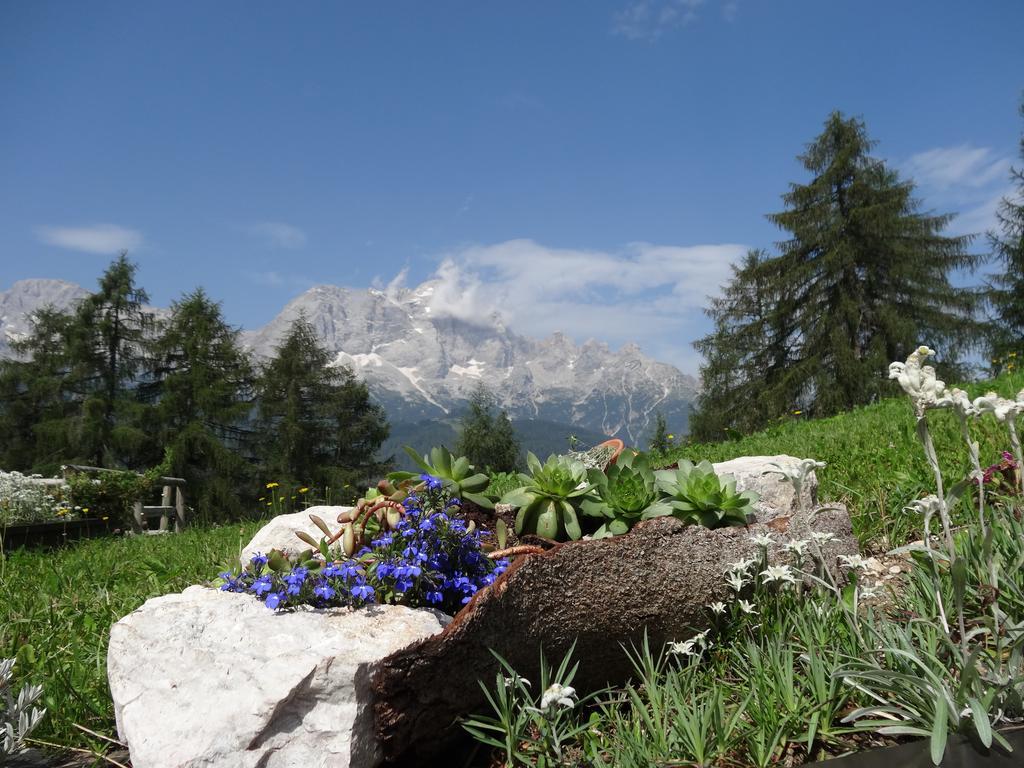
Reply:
x=875, y=462
x=57, y=608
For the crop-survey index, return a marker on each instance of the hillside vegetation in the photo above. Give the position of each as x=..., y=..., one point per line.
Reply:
x=875, y=463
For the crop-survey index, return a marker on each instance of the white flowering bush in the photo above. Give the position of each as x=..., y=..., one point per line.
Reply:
x=25, y=501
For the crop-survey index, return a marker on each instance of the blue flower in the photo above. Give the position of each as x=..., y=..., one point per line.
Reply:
x=331, y=570
x=259, y=560
x=362, y=591
x=382, y=541
x=261, y=586
x=274, y=599
x=435, y=597
x=324, y=591
x=431, y=482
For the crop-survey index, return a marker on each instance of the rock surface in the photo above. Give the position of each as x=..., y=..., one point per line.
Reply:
x=279, y=533
x=778, y=498
x=601, y=594
x=209, y=678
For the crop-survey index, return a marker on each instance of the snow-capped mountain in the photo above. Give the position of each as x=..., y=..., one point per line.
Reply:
x=421, y=362
x=25, y=297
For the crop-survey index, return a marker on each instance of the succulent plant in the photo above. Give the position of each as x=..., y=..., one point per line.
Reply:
x=549, y=497
x=457, y=474
x=625, y=494
x=697, y=495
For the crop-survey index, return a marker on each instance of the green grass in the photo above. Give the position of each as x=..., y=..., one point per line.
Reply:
x=875, y=462
x=58, y=606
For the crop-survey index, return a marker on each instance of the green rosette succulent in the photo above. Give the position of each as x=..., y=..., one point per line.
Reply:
x=625, y=494
x=461, y=477
x=697, y=495
x=549, y=498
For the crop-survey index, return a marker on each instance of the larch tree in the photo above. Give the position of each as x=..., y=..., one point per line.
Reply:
x=486, y=439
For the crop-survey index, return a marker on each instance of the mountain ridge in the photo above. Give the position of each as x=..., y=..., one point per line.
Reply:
x=421, y=360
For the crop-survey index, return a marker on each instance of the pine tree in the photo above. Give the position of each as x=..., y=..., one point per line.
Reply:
x=317, y=422
x=661, y=441
x=745, y=355
x=862, y=279
x=106, y=349
x=1006, y=287
x=202, y=385
x=488, y=441
x=34, y=413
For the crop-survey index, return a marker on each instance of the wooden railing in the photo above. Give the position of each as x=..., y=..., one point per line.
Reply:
x=172, y=501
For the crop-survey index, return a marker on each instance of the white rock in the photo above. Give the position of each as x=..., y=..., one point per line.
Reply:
x=777, y=496
x=210, y=679
x=279, y=533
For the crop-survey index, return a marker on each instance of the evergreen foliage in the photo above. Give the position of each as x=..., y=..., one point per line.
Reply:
x=316, y=421
x=203, y=388
x=1006, y=285
x=661, y=441
x=862, y=279
x=488, y=441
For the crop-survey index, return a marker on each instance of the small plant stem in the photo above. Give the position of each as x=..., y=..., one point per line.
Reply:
x=1011, y=424
x=979, y=475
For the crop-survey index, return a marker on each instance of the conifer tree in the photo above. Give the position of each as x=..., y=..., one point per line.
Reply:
x=488, y=441
x=1006, y=285
x=106, y=353
x=861, y=280
x=202, y=384
x=317, y=422
x=661, y=441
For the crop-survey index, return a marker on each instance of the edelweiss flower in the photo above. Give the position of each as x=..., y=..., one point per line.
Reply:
x=558, y=694
x=1000, y=407
x=822, y=537
x=797, y=546
x=869, y=591
x=854, y=561
x=919, y=381
x=762, y=539
x=747, y=607
x=742, y=566
x=718, y=608
x=778, y=573
x=737, y=580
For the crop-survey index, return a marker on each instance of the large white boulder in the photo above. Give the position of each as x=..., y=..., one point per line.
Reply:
x=279, y=533
x=215, y=679
x=778, y=497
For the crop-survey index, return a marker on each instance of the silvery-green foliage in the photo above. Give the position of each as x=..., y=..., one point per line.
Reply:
x=549, y=498
x=18, y=715
x=624, y=495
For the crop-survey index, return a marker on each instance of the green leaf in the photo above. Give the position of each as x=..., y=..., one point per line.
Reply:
x=572, y=525
x=981, y=722
x=420, y=461
x=940, y=730
x=547, y=521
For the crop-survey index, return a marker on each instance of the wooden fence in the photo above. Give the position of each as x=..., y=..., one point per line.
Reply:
x=172, y=501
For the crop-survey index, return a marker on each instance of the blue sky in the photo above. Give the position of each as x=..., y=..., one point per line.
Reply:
x=590, y=167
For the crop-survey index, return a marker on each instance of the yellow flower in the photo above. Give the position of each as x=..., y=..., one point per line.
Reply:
x=797, y=413
x=105, y=518
x=270, y=503
x=272, y=485
x=85, y=509
x=1013, y=354
x=303, y=490
x=671, y=437
x=262, y=498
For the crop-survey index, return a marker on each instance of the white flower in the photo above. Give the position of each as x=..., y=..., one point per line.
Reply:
x=919, y=381
x=685, y=648
x=737, y=580
x=795, y=473
x=558, y=694
x=778, y=573
x=854, y=561
x=822, y=537
x=747, y=607
x=868, y=591
x=1000, y=407
x=718, y=608
x=742, y=566
x=797, y=546
x=961, y=401
x=511, y=681
x=762, y=539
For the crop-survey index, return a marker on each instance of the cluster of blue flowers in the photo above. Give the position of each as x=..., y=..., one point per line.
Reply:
x=431, y=558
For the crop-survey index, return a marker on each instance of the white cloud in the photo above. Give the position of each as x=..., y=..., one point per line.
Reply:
x=650, y=19
x=651, y=294
x=966, y=180
x=277, y=234
x=98, y=238
x=945, y=167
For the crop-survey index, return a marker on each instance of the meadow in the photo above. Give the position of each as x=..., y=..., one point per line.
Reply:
x=58, y=606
